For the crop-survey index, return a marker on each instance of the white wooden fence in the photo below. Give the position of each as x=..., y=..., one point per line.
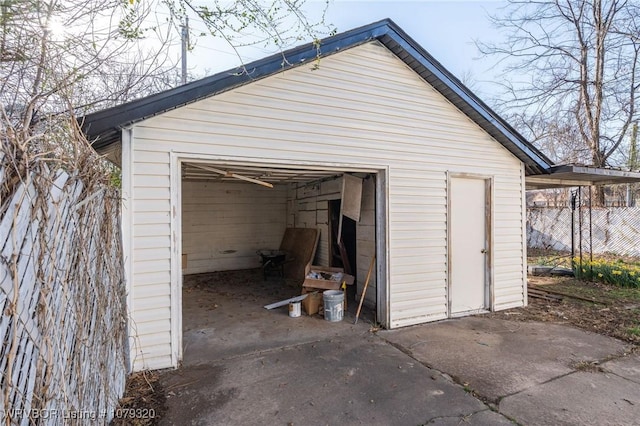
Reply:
x=613, y=229
x=62, y=297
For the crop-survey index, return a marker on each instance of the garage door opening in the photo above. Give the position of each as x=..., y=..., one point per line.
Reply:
x=232, y=214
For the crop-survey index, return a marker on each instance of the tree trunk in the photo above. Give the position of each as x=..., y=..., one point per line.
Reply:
x=598, y=196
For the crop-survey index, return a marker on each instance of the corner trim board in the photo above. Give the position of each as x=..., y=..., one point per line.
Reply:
x=127, y=235
x=175, y=215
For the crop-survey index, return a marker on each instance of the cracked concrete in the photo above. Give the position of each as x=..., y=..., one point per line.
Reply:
x=352, y=379
x=245, y=365
x=627, y=367
x=534, y=373
x=484, y=417
x=580, y=398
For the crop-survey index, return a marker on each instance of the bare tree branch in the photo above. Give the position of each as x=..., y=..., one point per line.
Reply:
x=571, y=72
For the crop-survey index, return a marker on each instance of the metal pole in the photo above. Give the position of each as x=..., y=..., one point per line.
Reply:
x=580, y=224
x=574, y=194
x=591, y=229
x=184, y=36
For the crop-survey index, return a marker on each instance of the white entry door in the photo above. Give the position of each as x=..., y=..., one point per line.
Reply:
x=468, y=241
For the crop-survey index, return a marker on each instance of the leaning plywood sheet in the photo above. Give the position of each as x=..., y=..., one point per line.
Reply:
x=351, y=200
x=351, y=197
x=300, y=244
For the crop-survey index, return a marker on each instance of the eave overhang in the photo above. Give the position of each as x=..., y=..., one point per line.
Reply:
x=569, y=175
x=104, y=128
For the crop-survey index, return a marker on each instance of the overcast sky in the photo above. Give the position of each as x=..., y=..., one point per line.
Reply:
x=446, y=29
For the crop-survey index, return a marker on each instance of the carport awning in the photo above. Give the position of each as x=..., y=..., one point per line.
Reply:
x=570, y=175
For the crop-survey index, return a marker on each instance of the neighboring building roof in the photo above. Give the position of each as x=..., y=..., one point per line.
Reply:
x=104, y=127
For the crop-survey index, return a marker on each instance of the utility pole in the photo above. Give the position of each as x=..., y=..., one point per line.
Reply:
x=184, y=36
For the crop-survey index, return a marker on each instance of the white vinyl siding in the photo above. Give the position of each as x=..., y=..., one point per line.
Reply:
x=366, y=242
x=309, y=208
x=363, y=106
x=151, y=296
x=224, y=224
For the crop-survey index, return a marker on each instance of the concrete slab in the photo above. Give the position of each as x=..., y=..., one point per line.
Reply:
x=581, y=398
x=224, y=317
x=346, y=380
x=262, y=332
x=497, y=358
x=481, y=418
x=627, y=367
x=247, y=365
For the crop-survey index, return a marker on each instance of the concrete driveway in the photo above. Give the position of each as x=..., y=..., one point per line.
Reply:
x=533, y=373
x=475, y=370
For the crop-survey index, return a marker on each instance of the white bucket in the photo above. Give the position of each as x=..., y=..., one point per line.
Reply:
x=294, y=309
x=333, y=301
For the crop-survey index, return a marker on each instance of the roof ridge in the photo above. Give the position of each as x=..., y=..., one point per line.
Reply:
x=104, y=127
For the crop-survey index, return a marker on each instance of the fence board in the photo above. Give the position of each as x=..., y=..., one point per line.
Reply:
x=65, y=324
x=17, y=218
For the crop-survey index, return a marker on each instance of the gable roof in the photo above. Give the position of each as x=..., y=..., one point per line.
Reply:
x=104, y=127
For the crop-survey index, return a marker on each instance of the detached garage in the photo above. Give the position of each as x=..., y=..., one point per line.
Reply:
x=221, y=167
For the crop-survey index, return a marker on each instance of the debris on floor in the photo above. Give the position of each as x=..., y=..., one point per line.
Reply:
x=285, y=302
x=323, y=278
x=313, y=303
x=542, y=294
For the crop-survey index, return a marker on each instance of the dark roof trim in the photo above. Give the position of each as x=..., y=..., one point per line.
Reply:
x=465, y=100
x=104, y=127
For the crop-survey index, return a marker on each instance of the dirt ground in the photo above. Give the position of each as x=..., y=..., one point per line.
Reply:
x=143, y=403
x=613, y=311
x=609, y=310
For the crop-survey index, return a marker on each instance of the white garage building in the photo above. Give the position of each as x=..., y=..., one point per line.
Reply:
x=443, y=181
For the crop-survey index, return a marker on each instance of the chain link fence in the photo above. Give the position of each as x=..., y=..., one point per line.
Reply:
x=596, y=230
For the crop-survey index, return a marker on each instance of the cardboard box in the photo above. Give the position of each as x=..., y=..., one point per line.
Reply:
x=312, y=304
x=322, y=278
